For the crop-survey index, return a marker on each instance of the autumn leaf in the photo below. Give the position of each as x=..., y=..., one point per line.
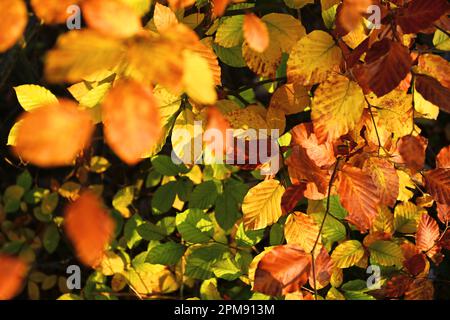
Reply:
x=324, y=267
x=163, y=17
x=262, y=205
x=420, y=289
x=443, y=158
x=292, y=196
x=313, y=59
x=53, y=11
x=131, y=120
x=436, y=67
x=347, y=254
x=433, y=91
x=386, y=65
x=12, y=274
x=90, y=228
x=180, y=4
x=412, y=149
x=385, y=177
x=255, y=33
x=437, y=182
x=359, y=195
x=427, y=235
x=302, y=230
x=111, y=18
x=290, y=98
x=420, y=14
x=337, y=107
x=13, y=20
x=53, y=135
x=282, y=270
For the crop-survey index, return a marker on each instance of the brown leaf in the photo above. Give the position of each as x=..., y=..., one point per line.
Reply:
x=90, y=228
x=397, y=286
x=427, y=235
x=359, y=195
x=323, y=266
x=443, y=212
x=412, y=149
x=420, y=289
x=13, y=20
x=437, y=182
x=420, y=14
x=284, y=269
x=387, y=63
x=255, y=33
x=433, y=91
x=436, y=67
x=12, y=274
x=292, y=196
x=111, y=17
x=53, y=135
x=132, y=122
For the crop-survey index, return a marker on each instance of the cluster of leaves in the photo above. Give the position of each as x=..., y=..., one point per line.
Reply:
x=353, y=189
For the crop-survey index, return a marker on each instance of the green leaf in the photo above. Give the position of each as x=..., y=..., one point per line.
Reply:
x=184, y=188
x=336, y=209
x=149, y=231
x=153, y=179
x=385, y=253
x=230, y=34
x=347, y=254
x=204, y=195
x=248, y=238
x=122, y=199
x=168, y=253
x=333, y=230
x=355, y=285
x=230, y=56
x=51, y=238
x=167, y=224
x=25, y=180
x=209, y=291
x=227, y=206
x=201, y=260
x=195, y=226
x=11, y=198
x=49, y=203
x=99, y=164
x=32, y=96
x=131, y=234
x=164, y=165
x=164, y=197
x=276, y=235
x=227, y=269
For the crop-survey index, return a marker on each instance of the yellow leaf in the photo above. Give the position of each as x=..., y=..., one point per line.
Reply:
x=262, y=205
x=13, y=20
x=198, y=78
x=33, y=96
x=301, y=229
x=164, y=17
x=347, y=254
x=405, y=184
x=313, y=58
x=337, y=107
x=424, y=107
x=407, y=216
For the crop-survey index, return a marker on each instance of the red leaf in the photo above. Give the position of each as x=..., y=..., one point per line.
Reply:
x=412, y=149
x=437, y=182
x=387, y=63
x=89, y=227
x=416, y=264
x=427, y=234
x=12, y=273
x=292, y=196
x=420, y=14
x=397, y=286
x=282, y=270
x=433, y=91
x=359, y=195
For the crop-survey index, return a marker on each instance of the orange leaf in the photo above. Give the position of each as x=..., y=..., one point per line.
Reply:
x=53, y=135
x=282, y=270
x=111, y=17
x=427, y=234
x=292, y=196
x=53, y=11
x=219, y=7
x=323, y=269
x=13, y=20
x=443, y=158
x=385, y=177
x=12, y=274
x=420, y=289
x=359, y=195
x=180, y=4
x=255, y=33
x=132, y=122
x=90, y=228
x=437, y=182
